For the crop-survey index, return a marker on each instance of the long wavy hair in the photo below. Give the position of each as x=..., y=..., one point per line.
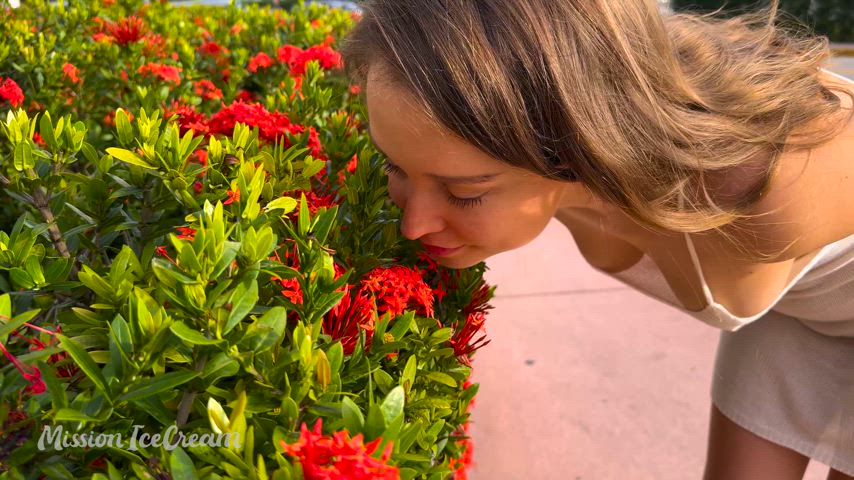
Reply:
x=679, y=120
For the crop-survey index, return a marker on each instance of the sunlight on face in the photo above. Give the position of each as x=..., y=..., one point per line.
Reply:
x=453, y=195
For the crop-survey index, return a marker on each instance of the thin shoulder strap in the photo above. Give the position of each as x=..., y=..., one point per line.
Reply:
x=696, y=260
x=838, y=75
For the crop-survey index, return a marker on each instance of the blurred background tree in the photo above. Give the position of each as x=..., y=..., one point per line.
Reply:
x=834, y=18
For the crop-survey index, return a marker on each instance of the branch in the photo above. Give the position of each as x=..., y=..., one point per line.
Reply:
x=41, y=202
x=188, y=398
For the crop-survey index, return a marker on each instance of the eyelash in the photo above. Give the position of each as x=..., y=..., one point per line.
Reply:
x=456, y=201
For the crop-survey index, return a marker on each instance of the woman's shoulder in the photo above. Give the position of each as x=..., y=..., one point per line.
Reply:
x=809, y=202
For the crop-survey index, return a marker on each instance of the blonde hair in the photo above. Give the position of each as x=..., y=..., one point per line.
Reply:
x=649, y=111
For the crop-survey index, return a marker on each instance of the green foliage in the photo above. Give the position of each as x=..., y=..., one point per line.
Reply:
x=147, y=286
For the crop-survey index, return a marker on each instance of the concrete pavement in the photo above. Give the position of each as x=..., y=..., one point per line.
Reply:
x=585, y=378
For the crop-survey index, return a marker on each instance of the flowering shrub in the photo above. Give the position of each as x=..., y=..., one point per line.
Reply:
x=195, y=244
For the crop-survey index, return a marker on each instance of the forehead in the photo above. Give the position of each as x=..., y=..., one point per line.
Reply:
x=402, y=129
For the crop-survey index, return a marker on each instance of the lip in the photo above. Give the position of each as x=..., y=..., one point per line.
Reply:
x=440, y=251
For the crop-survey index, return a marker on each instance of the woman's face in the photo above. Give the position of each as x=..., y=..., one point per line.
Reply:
x=454, y=196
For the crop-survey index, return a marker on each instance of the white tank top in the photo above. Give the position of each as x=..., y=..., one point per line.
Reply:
x=821, y=295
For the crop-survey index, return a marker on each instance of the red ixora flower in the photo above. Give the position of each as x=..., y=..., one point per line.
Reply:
x=271, y=125
x=186, y=233
x=188, y=118
x=297, y=58
x=11, y=92
x=127, y=30
x=262, y=60
x=399, y=288
x=207, y=90
x=354, y=312
x=339, y=457
x=464, y=333
x=164, y=72
x=70, y=71
x=30, y=373
x=233, y=196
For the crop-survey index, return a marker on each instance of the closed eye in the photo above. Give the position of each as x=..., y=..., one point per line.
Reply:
x=394, y=170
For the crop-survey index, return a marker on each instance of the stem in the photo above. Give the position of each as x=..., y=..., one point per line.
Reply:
x=41, y=202
x=188, y=398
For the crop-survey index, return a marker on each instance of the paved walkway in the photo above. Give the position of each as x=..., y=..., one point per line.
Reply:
x=586, y=378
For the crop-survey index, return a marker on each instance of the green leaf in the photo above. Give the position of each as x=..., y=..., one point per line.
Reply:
x=392, y=406
x=335, y=354
x=34, y=270
x=442, y=378
x=286, y=204
x=85, y=362
x=58, y=397
x=120, y=331
x=21, y=278
x=23, y=157
x=164, y=271
x=323, y=224
x=267, y=330
x=72, y=415
x=375, y=423
x=401, y=324
x=243, y=300
x=129, y=157
x=384, y=380
x=409, y=373
x=312, y=167
x=440, y=336
x=181, y=466
x=353, y=418
x=5, y=311
x=155, y=385
x=190, y=335
x=46, y=131
x=123, y=127
x=303, y=217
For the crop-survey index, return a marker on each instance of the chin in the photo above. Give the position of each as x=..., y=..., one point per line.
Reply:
x=460, y=262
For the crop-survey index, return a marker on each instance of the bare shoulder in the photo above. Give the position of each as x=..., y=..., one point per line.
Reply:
x=809, y=204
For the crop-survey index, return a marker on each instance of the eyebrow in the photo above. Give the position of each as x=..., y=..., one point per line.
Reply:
x=468, y=180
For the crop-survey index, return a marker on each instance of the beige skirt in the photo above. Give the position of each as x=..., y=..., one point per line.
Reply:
x=791, y=385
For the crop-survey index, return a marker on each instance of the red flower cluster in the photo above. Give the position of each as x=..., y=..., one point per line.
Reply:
x=399, y=288
x=297, y=58
x=353, y=312
x=339, y=457
x=271, y=125
x=233, y=196
x=262, y=60
x=11, y=92
x=207, y=90
x=69, y=71
x=188, y=118
x=165, y=72
x=30, y=373
x=474, y=315
x=125, y=31
x=314, y=201
x=186, y=233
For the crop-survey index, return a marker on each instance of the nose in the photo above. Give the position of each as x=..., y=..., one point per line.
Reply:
x=421, y=216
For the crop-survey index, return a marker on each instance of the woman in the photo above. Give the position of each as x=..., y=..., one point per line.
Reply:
x=707, y=162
